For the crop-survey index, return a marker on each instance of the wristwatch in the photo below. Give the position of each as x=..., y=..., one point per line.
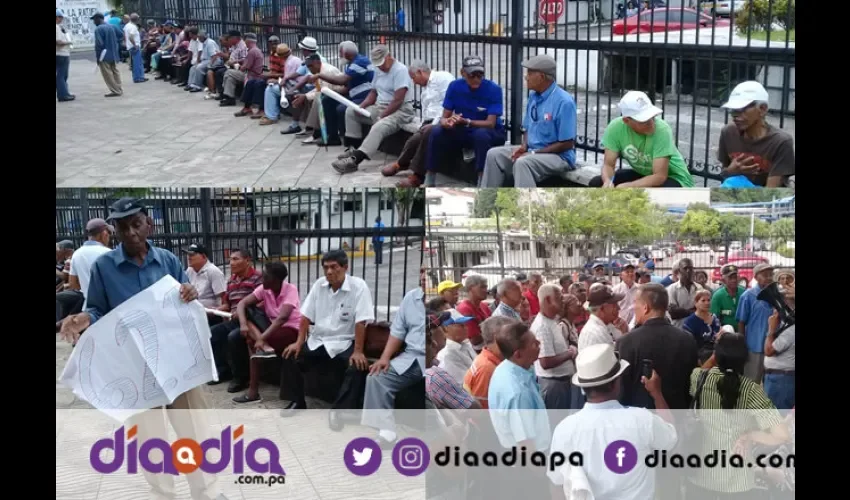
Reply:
x=467, y=123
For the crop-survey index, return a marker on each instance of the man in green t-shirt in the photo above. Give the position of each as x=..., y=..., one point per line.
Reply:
x=646, y=142
x=724, y=302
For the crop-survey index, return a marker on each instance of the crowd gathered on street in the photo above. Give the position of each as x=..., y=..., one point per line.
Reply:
x=462, y=120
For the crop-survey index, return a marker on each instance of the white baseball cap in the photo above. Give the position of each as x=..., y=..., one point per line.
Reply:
x=745, y=94
x=637, y=106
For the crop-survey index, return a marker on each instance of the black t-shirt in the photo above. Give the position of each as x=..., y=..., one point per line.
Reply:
x=674, y=356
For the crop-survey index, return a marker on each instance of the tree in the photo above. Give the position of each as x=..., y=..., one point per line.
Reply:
x=485, y=203
x=749, y=195
x=507, y=202
x=783, y=230
x=404, y=199
x=700, y=224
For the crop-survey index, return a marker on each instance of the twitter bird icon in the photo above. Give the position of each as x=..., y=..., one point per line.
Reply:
x=362, y=456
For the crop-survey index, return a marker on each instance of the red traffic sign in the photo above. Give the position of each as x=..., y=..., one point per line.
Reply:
x=550, y=11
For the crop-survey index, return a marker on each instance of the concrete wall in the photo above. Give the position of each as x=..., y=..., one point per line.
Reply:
x=77, y=22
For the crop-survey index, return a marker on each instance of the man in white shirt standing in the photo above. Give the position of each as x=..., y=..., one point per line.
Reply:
x=555, y=365
x=207, y=279
x=133, y=43
x=628, y=288
x=613, y=439
x=412, y=157
x=333, y=326
x=604, y=325
x=99, y=233
x=457, y=355
x=63, y=60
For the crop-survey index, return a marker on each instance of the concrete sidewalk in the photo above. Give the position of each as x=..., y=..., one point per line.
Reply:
x=158, y=135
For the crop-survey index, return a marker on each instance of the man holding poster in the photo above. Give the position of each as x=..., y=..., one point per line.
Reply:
x=117, y=276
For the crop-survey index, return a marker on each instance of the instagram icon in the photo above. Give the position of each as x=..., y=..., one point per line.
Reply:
x=411, y=456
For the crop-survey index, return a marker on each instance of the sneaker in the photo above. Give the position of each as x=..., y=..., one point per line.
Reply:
x=293, y=129
x=259, y=353
x=345, y=165
x=349, y=152
x=245, y=398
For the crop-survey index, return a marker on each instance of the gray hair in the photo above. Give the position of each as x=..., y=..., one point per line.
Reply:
x=505, y=285
x=134, y=18
x=202, y=33
x=535, y=276
x=548, y=290
x=763, y=103
x=348, y=47
x=475, y=280
x=418, y=65
x=493, y=325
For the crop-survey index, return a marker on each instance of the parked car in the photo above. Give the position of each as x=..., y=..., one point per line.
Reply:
x=745, y=271
x=629, y=256
x=741, y=255
x=724, y=7
x=612, y=264
x=491, y=272
x=666, y=19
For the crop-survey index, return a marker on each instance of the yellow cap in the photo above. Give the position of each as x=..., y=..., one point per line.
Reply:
x=447, y=285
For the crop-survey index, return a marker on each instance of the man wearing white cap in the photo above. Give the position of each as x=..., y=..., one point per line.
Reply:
x=751, y=147
x=63, y=59
x=646, y=141
x=603, y=421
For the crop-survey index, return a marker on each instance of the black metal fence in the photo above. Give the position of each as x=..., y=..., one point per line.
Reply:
x=294, y=226
x=686, y=55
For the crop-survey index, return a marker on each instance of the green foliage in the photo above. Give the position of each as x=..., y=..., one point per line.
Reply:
x=485, y=203
x=761, y=15
x=703, y=223
x=783, y=230
x=749, y=195
x=507, y=202
x=785, y=251
x=700, y=224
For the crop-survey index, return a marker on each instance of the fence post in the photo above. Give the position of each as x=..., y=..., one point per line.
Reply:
x=84, y=206
x=516, y=81
x=246, y=16
x=181, y=9
x=501, y=244
x=222, y=5
x=360, y=25
x=206, y=208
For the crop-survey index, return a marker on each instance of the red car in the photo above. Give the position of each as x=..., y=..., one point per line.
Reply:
x=745, y=270
x=742, y=255
x=664, y=19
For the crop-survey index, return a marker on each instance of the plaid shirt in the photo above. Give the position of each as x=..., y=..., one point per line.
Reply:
x=444, y=391
x=239, y=52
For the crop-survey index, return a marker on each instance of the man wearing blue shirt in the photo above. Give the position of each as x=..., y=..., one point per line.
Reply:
x=108, y=54
x=357, y=77
x=548, y=143
x=472, y=111
x=118, y=275
x=378, y=242
x=752, y=317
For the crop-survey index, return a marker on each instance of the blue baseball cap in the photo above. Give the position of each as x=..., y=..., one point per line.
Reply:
x=59, y=13
x=452, y=317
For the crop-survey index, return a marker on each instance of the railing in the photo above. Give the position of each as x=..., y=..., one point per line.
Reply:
x=687, y=59
x=294, y=226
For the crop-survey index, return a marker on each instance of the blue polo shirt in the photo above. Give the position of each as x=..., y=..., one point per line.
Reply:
x=475, y=104
x=115, y=277
x=551, y=117
x=361, y=72
x=517, y=410
x=754, y=313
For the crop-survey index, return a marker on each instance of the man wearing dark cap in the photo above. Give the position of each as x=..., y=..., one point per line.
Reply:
x=604, y=308
x=207, y=279
x=99, y=233
x=251, y=68
x=107, y=53
x=117, y=276
x=390, y=104
x=548, y=143
x=472, y=119
x=753, y=315
x=724, y=302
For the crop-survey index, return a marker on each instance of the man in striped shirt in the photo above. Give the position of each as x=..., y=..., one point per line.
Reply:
x=510, y=296
x=226, y=336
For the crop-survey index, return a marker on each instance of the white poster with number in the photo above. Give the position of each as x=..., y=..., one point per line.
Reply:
x=143, y=354
x=77, y=23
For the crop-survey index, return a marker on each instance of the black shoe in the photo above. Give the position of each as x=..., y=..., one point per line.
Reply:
x=245, y=398
x=227, y=101
x=335, y=421
x=237, y=386
x=291, y=408
x=293, y=129
x=66, y=99
x=181, y=84
x=194, y=89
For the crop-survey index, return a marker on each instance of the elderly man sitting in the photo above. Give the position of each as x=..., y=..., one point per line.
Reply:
x=390, y=104
x=310, y=100
x=250, y=69
x=284, y=62
x=308, y=46
x=253, y=95
x=548, y=144
x=436, y=83
x=208, y=48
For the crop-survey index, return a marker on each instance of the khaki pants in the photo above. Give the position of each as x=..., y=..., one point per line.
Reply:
x=152, y=424
x=313, y=115
x=109, y=71
x=381, y=128
x=232, y=79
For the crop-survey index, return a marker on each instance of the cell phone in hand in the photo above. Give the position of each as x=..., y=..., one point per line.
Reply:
x=646, y=368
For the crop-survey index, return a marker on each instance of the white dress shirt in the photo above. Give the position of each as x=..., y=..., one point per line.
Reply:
x=627, y=305
x=335, y=313
x=593, y=428
x=210, y=283
x=597, y=332
x=456, y=358
x=434, y=95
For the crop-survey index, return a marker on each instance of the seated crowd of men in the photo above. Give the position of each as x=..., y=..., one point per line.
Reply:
x=460, y=117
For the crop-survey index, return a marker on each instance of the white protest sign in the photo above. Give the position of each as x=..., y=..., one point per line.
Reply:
x=143, y=354
x=77, y=22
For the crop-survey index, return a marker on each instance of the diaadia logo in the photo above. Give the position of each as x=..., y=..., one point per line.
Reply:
x=185, y=456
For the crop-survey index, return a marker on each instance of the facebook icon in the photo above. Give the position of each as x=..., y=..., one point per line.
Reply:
x=621, y=457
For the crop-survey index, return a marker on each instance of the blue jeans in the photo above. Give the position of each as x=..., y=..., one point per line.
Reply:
x=781, y=389
x=271, y=102
x=455, y=139
x=138, y=65
x=63, y=63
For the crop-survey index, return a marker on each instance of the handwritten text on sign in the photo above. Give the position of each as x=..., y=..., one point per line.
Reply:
x=77, y=22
